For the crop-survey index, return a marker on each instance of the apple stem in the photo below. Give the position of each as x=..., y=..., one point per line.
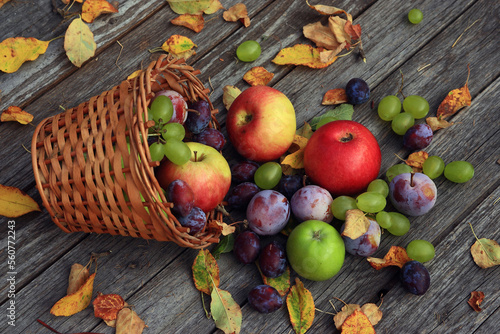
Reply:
x=411, y=180
x=347, y=138
x=195, y=156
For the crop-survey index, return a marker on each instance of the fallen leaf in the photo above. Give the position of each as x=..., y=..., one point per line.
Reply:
x=68, y=1
x=237, y=12
x=3, y=2
x=305, y=131
x=416, y=160
x=336, y=25
x=128, y=322
x=325, y=56
x=107, y=306
x=225, y=245
x=329, y=10
x=295, y=159
x=76, y=302
x=214, y=7
x=78, y=275
x=455, y=100
x=91, y=9
x=372, y=311
x=345, y=312
x=205, y=272
x=357, y=323
x=258, y=76
x=334, y=96
x=191, y=21
x=134, y=74
x=216, y=227
x=436, y=123
x=79, y=42
x=475, y=300
x=341, y=112
x=14, y=113
x=486, y=253
x=15, y=51
x=15, y=202
x=353, y=30
x=189, y=6
x=225, y=311
x=396, y=256
x=300, y=304
x=321, y=35
x=356, y=224
x=229, y=94
x=280, y=283
x=301, y=54
x=178, y=44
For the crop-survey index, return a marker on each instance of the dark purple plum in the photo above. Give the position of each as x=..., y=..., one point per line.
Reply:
x=412, y=194
x=289, y=184
x=357, y=91
x=265, y=299
x=246, y=247
x=243, y=171
x=195, y=220
x=365, y=245
x=418, y=137
x=312, y=202
x=415, y=277
x=211, y=137
x=240, y=196
x=268, y=212
x=181, y=195
x=272, y=260
x=198, y=120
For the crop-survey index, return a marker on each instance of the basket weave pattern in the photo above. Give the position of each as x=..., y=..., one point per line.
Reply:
x=92, y=165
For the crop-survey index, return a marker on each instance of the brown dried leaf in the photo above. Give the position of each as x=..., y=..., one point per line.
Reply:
x=437, y=123
x=329, y=10
x=416, y=160
x=258, y=76
x=486, y=253
x=14, y=113
x=326, y=56
x=128, y=322
x=191, y=21
x=107, y=306
x=336, y=25
x=229, y=94
x=321, y=35
x=356, y=224
x=237, y=13
x=77, y=277
x=373, y=313
x=353, y=30
x=455, y=100
x=346, y=311
x=475, y=300
x=396, y=256
x=334, y=96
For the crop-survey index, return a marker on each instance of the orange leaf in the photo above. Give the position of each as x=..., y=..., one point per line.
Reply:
x=205, y=272
x=396, y=256
x=416, y=160
x=353, y=30
x=77, y=277
x=14, y=113
x=15, y=51
x=345, y=312
x=455, y=100
x=68, y=1
x=300, y=304
x=3, y=2
x=437, y=123
x=91, y=9
x=334, y=96
x=215, y=5
x=76, y=302
x=258, y=76
x=475, y=300
x=329, y=10
x=237, y=12
x=193, y=22
x=356, y=224
x=357, y=323
x=107, y=307
x=301, y=54
x=15, y=202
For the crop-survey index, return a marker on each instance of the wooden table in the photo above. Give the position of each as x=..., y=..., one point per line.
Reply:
x=154, y=276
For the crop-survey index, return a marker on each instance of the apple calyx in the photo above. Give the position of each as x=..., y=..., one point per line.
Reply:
x=317, y=235
x=346, y=138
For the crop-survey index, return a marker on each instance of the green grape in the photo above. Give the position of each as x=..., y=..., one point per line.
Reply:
x=341, y=204
x=248, y=51
x=415, y=16
x=433, y=166
x=402, y=122
x=177, y=151
x=420, y=250
x=268, y=175
x=389, y=107
x=162, y=109
x=173, y=130
x=325, y=120
x=371, y=202
x=416, y=105
x=156, y=150
x=400, y=224
x=459, y=171
x=383, y=219
x=396, y=170
x=379, y=186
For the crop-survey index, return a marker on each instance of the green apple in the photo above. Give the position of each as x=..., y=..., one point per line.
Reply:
x=315, y=250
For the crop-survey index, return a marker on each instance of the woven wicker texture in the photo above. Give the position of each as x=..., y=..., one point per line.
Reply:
x=92, y=165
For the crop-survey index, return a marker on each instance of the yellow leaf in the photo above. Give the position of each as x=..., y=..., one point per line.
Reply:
x=3, y=2
x=76, y=302
x=237, y=12
x=295, y=159
x=134, y=74
x=396, y=256
x=437, y=123
x=215, y=5
x=300, y=304
x=15, y=202
x=16, y=50
x=357, y=323
x=79, y=42
x=14, y=113
x=258, y=76
x=189, y=6
x=91, y=9
x=346, y=311
x=191, y=21
x=178, y=44
x=302, y=54
x=356, y=224
x=230, y=93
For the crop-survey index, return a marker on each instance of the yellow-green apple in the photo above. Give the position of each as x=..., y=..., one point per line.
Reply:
x=342, y=157
x=207, y=173
x=261, y=123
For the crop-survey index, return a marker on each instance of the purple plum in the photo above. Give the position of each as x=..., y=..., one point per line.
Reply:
x=365, y=245
x=412, y=194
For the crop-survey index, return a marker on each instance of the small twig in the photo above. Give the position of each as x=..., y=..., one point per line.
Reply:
x=421, y=68
x=211, y=86
x=341, y=300
x=26, y=148
x=119, y=54
x=470, y=26
x=362, y=52
x=402, y=84
x=321, y=311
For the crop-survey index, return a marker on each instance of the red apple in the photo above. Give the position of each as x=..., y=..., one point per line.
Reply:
x=261, y=123
x=342, y=157
x=207, y=173
x=180, y=106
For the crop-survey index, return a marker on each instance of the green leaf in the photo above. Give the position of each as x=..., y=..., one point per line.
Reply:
x=225, y=311
x=205, y=272
x=79, y=42
x=300, y=306
x=224, y=246
x=189, y=6
x=280, y=283
x=342, y=112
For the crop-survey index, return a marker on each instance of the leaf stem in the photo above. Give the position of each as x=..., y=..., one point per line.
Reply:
x=480, y=243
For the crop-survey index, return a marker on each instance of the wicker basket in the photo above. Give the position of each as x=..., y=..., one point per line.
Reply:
x=76, y=156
